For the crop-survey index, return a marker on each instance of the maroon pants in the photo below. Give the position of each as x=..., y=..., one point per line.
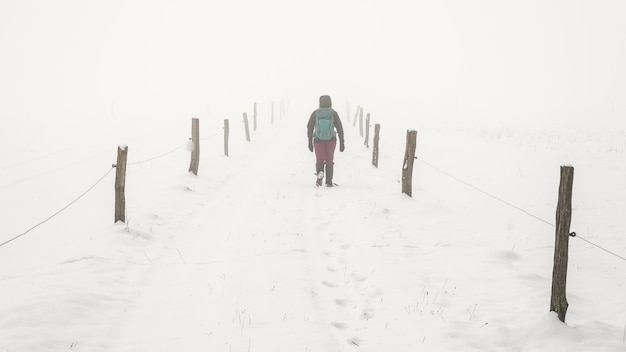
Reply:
x=325, y=152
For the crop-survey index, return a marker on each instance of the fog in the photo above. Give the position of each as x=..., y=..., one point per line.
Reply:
x=499, y=60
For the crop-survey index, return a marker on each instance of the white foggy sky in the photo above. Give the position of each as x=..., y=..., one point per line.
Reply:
x=77, y=57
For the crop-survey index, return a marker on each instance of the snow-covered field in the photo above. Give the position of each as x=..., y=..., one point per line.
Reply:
x=250, y=256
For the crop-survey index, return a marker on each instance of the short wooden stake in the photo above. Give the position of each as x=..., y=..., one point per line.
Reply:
x=120, y=184
x=558, y=301
x=375, y=149
x=407, y=166
x=195, y=139
x=245, y=123
x=367, y=131
x=226, y=132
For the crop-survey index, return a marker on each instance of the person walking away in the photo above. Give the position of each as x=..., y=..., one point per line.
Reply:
x=322, y=130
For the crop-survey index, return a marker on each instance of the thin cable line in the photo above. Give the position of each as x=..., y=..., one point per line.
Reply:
x=504, y=201
x=599, y=247
x=37, y=158
x=211, y=135
x=518, y=208
x=158, y=156
x=167, y=153
x=391, y=145
x=62, y=209
x=486, y=193
x=52, y=171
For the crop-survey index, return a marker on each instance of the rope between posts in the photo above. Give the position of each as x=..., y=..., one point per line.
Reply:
x=509, y=204
x=89, y=189
x=96, y=183
x=573, y=234
x=158, y=156
x=167, y=153
x=62, y=209
x=209, y=136
x=485, y=192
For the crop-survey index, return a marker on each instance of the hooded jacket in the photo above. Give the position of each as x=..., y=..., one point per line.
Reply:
x=326, y=102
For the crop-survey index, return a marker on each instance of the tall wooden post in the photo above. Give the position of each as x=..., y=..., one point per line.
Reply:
x=367, y=131
x=254, y=118
x=361, y=122
x=282, y=108
x=407, y=166
x=245, y=123
x=558, y=301
x=356, y=114
x=120, y=184
x=226, y=132
x=195, y=139
x=376, y=139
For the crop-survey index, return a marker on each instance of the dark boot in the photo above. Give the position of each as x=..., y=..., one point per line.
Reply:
x=329, y=175
x=319, y=172
x=319, y=167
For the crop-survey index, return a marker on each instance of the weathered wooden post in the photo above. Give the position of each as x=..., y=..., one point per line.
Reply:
x=254, y=117
x=245, y=123
x=195, y=139
x=367, y=131
x=226, y=132
x=558, y=301
x=376, y=139
x=356, y=114
x=120, y=183
x=282, y=108
x=361, y=122
x=407, y=166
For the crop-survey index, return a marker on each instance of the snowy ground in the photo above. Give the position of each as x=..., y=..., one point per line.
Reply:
x=250, y=256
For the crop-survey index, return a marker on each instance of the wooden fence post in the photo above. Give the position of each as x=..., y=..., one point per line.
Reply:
x=367, y=131
x=195, y=139
x=254, y=117
x=361, y=122
x=226, y=132
x=356, y=113
x=376, y=139
x=282, y=108
x=407, y=166
x=245, y=123
x=120, y=184
x=558, y=301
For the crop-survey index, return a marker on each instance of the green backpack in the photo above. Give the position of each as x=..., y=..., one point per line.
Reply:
x=324, y=129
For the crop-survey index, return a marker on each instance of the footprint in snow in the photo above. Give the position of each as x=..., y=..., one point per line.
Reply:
x=341, y=302
x=359, y=278
x=355, y=341
x=329, y=284
x=340, y=326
